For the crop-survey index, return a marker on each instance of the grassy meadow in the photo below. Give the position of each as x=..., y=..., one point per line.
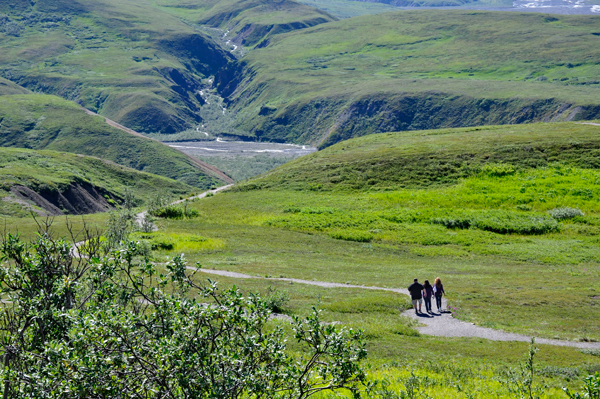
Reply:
x=354, y=8
x=487, y=283
x=515, y=241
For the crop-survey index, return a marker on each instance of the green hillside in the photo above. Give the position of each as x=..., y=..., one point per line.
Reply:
x=8, y=88
x=38, y=121
x=353, y=8
x=54, y=183
x=415, y=70
x=428, y=158
x=141, y=63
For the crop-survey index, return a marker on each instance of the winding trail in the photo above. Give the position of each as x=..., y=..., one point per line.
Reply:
x=440, y=324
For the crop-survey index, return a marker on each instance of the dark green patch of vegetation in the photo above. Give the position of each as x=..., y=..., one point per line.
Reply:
x=245, y=167
x=175, y=212
x=101, y=319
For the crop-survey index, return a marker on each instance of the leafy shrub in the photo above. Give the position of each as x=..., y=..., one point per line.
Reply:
x=158, y=241
x=512, y=224
x=591, y=389
x=276, y=300
x=453, y=223
x=93, y=339
x=174, y=212
x=352, y=235
x=565, y=213
x=498, y=169
x=179, y=242
x=501, y=223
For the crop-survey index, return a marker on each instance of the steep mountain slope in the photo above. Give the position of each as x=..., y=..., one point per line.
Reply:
x=56, y=183
x=40, y=121
x=435, y=157
x=419, y=70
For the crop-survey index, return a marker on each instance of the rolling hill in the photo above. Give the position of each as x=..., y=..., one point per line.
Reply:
x=39, y=121
x=429, y=158
x=56, y=183
x=507, y=216
x=247, y=22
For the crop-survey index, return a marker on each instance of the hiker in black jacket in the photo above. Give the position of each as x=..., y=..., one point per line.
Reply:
x=416, y=294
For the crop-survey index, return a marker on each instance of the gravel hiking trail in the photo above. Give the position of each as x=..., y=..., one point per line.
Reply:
x=440, y=324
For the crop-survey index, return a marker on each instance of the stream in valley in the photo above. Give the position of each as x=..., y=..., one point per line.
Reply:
x=240, y=159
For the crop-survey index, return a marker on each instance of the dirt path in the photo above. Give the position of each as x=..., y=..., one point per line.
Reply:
x=436, y=324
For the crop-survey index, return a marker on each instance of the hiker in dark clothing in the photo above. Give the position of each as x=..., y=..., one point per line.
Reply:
x=427, y=294
x=438, y=291
x=416, y=294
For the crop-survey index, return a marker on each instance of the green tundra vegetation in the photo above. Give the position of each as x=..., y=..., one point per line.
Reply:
x=354, y=8
x=291, y=72
x=349, y=8
x=507, y=215
x=141, y=63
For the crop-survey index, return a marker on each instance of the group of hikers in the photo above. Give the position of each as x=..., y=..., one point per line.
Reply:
x=424, y=292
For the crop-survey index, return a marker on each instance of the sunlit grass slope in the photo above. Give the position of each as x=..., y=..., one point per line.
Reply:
x=8, y=88
x=420, y=69
x=354, y=8
x=40, y=121
x=48, y=172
